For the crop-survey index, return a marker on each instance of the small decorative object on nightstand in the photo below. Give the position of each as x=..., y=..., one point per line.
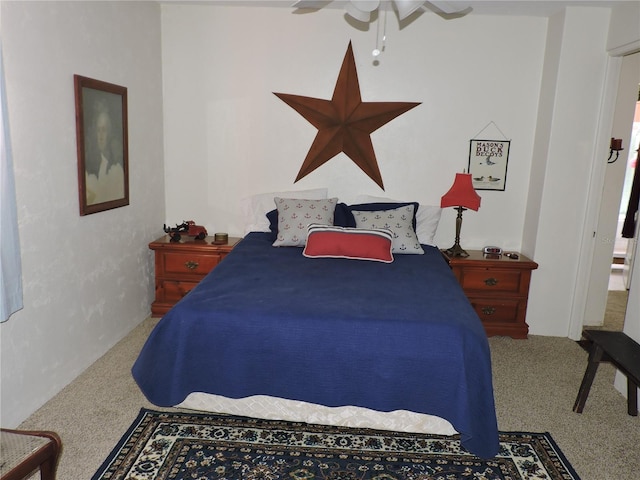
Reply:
x=181, y=265
x=188, y=228
x=497, y=287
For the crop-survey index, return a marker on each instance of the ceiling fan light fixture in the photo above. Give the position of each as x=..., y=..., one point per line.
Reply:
x=310, y=4
x=355, y=10
x=449, y=7
x=407, y=7
x=366, y=5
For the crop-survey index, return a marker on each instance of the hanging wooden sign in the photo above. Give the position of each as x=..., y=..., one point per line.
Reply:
x=488, y=163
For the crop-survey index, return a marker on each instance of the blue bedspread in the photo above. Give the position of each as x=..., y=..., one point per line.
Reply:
x=334, y=332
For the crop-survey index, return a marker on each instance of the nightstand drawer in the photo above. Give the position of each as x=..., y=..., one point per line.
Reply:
x=172, y=291
x=491, y=280
x=190, y=263
x=495, y=310
x=498, y=288
x=181, y=265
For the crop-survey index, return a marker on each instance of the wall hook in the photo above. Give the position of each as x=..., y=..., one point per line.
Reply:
x=616, y=146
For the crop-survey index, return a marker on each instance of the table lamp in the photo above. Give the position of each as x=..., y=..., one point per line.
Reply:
x=462, y=196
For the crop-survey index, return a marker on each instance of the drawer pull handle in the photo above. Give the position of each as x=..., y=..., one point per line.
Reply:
x=191, y=265
x=491, y=282
x=488, y=310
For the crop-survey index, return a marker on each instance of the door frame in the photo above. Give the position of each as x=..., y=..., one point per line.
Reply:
x=586, y=249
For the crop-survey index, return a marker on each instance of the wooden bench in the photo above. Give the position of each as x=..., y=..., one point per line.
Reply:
x=620, y=350
x=24, y=452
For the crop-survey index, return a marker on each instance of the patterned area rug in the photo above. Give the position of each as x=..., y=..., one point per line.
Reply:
x=161, y=445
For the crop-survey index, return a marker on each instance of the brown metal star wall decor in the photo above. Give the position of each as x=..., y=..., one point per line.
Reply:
x=345, y=122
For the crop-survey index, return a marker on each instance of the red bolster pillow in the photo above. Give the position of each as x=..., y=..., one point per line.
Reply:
x=328, y=241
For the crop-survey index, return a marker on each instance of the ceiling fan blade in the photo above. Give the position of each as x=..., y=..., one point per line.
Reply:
x=311, y=4
x=407, y=7
x=447, y=6
x=366, y=5
x=357, y=10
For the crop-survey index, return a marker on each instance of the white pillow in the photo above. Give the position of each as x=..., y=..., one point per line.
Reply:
x=255, y=207
x=427, y=217
x=399, y=221
x=295, y=215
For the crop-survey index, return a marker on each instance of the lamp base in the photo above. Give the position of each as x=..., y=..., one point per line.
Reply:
x=456, y=251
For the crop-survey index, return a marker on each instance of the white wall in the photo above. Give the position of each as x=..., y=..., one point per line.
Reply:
x=541, y=81
x=87, y=280
x=566, y=138
x=228, y=136
x=632, y=316
x=624, y=34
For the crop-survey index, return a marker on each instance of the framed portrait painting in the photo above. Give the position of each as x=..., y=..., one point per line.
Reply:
x=101, y=134
x=488, y=163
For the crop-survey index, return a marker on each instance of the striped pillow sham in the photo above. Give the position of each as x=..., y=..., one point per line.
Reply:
x=329, y=241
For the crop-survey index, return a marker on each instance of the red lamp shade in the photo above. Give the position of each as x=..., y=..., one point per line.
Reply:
x=461, y=194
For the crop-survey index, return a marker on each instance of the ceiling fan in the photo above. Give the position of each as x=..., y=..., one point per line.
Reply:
x=361, y=10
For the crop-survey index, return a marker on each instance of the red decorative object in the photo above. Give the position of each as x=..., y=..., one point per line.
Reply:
x=188, y=228
x=345, y=122
x=328, y=241
x=461, y=194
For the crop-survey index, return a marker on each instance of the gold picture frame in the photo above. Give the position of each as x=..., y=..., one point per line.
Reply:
x=102, y=143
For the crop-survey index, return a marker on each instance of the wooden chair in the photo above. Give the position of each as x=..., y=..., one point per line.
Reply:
x=24, y=452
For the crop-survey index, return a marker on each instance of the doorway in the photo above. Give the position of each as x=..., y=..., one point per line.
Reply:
x=610, y=250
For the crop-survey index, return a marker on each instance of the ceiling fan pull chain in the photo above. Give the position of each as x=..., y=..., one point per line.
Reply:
x=380, y=48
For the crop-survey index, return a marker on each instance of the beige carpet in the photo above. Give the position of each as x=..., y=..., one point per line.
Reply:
x=616, y=309
x=535, y=384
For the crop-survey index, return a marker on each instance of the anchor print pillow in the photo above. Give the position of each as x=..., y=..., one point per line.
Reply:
x=295, y=215
x=399, y=221
x=427, y=217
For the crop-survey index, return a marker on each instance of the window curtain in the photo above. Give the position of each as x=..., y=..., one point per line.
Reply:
x=10, y=263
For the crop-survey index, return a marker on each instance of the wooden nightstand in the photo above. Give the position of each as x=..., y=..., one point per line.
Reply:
x=181, y=265
x=498, y=289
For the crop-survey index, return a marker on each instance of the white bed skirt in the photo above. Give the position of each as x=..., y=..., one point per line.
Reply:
x=273, y=408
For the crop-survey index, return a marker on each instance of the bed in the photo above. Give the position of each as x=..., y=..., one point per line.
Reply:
x=344, y=335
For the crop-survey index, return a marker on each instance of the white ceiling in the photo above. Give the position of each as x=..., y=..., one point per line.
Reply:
x=535, y=7
x=543, y=8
